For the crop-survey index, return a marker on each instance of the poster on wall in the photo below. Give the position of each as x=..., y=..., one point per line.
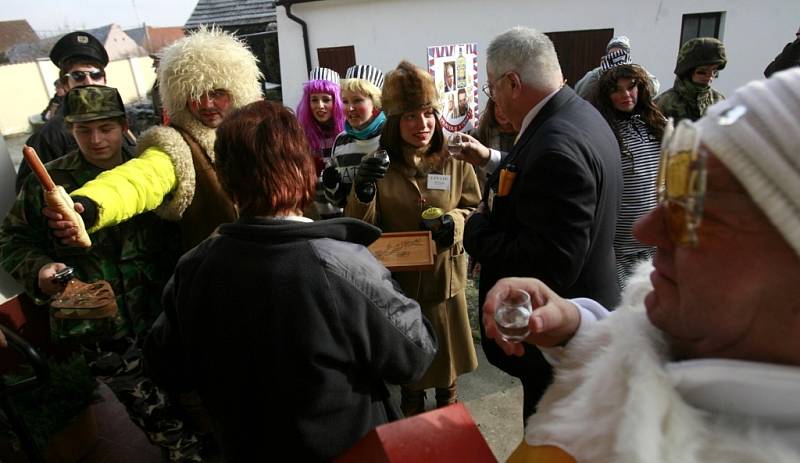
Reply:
x=455, y=71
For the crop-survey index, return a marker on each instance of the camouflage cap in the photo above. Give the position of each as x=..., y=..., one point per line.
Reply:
x=700, y=52
x=91, y=103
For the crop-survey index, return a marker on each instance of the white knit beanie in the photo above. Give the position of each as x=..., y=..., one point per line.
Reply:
x=756, y=134
x=621, y=41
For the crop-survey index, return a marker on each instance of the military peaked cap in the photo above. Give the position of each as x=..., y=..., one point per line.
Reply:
x=77, y=44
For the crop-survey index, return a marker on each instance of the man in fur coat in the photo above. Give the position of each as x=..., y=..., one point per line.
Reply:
x=701, y=362
x=202, y=78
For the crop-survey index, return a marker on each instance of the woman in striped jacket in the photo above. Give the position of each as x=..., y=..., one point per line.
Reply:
x=623, y=97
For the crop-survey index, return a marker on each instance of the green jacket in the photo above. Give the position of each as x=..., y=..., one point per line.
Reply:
x=686, y=100
x=136, y=257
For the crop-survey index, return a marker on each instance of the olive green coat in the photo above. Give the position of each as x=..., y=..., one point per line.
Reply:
x=397, y=206
x=686, y=100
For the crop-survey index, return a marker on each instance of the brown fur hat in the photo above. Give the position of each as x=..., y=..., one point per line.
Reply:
x=408, y=88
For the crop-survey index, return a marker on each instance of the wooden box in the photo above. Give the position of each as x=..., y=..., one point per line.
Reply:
x=405, y=251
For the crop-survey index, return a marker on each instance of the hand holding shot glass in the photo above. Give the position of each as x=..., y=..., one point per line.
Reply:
x=383, y=155
x=513, y=314
x=517, y=311
x=372, y=168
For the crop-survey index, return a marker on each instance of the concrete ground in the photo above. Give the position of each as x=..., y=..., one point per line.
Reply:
x=493, y=398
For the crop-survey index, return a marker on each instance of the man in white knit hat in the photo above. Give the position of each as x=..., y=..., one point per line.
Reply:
x=701, y=362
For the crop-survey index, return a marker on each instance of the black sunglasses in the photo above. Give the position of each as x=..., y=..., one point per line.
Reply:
x=80, y=76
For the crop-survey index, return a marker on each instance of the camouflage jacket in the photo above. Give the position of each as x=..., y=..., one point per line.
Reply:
x=687, y=101
x=135, y=257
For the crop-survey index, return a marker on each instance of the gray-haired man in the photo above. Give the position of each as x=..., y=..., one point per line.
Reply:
x=550, y=208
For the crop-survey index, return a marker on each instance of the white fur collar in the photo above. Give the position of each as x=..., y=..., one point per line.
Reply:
x=613, y=400
x=172, y=143
x=206, y=136
x=765, y=391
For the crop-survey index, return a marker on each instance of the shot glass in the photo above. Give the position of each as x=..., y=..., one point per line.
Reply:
x=454, y=144
x=512, y=315
x=383, y=155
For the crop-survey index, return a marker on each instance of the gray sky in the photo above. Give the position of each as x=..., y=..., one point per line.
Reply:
x=48, y=17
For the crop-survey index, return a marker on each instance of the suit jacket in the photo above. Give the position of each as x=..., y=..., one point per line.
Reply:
x=557, y=222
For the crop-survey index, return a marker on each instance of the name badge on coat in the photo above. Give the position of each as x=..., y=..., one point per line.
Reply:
x=438, y=182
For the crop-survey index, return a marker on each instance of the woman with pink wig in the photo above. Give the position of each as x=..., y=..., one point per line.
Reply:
x=321, y=114
x=320, y=111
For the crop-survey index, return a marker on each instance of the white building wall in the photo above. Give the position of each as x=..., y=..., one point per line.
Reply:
x=385, y=31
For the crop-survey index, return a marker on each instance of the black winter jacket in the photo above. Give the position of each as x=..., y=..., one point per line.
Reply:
x=288, y=330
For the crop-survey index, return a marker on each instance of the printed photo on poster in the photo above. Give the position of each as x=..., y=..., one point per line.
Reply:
x=455, y=71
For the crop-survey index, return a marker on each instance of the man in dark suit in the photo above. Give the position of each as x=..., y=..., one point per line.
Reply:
x=550, y=208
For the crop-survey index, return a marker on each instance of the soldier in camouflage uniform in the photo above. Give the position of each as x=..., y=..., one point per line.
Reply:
x=699, y=62
x=81, y=60
x=135, y=257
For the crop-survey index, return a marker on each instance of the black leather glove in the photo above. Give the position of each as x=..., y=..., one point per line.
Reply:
x=331, y=177
x=369, y=171
x=90, y=212
x=445, y=233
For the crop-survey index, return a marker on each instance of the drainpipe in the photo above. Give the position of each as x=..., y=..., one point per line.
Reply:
x=288, y=5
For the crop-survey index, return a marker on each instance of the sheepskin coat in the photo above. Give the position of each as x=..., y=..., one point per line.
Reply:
x=198, y=200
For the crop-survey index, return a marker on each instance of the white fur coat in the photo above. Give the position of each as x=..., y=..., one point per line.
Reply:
x=612, y=401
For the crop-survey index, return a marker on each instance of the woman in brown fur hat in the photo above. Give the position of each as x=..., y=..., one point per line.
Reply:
x=392, y=195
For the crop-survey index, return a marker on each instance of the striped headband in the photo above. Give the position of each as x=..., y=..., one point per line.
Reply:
x=366, y=72
x=614, y=59
x=324, y=74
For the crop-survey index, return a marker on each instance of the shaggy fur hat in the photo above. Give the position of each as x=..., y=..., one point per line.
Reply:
x=206, y=60
x=408, y=88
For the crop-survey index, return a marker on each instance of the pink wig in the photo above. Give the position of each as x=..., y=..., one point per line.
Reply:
x=314, y=132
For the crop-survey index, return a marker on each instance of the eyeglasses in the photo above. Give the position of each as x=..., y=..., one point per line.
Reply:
x=80, y=76
x=682, y=182
x=488, y=88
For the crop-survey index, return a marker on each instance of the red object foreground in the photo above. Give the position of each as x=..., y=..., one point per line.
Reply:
x=446, y=434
